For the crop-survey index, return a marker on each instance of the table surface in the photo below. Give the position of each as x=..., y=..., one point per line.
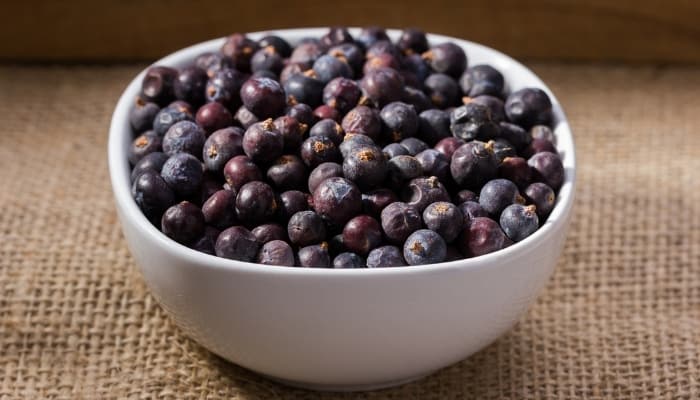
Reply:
x=620, y=318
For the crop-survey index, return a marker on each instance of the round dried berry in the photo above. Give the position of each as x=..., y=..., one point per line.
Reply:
x=424, y=247
x=183, y=222
x=237, y=243
x=276, y=252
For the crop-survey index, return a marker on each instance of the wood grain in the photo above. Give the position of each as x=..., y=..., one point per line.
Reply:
x=596, y=30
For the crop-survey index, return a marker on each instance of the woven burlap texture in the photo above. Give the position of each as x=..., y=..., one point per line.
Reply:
x=620, y=319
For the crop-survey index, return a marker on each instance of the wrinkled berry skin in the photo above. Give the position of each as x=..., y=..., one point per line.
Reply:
x=382, y=86
x=288, y=172
x=424, y=247
x=399, y=120
x=183, y=222
x=152, y=194
x=444, y=218
x=262, y=142
x=518, y=221
x=157, y=85
x=150, y=162
x=221, y=146
x=330, y=129
x=434, y=163
x=434, y=125
x=374, y=202
x=314, y=256
x=337, y=200
x=366, y=166
x=401, y=169
x=542, y=197
x=473, y=121
x=189, y=85
x=473, y=164
x=385, y=256
x=239, y=49
x=184, y=137
x=319, y=149
x=143, y=145
x=224, y=87
x=362, y=234
x=448, y=146
x=482, y=80
x=423, y=191
x=498, y=194
x=399, y=220
x=322, y=172
x=268, y=232
x=219, y=209
x=442, y=90
x=240, y=170
x=169, y=116
x=528, y=107
x=264, y=97
x=342, y=94
x=349, y=260
x=183, y=172
x=362, y=120
x=291, y=202
x=547, y=167
x=447, y=58
x=304, y=88
x=306, y=228
x=141, y=117
x=237, y=243
x=482, y=236
x=276, y=252
x=470, y=210
x=255, y=203
x=213, y=116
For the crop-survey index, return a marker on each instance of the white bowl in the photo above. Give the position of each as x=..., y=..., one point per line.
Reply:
x=350, y=329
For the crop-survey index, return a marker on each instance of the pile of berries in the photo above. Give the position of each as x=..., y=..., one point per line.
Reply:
x=342, y=152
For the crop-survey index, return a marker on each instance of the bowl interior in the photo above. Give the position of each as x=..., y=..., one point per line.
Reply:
x=516, y=75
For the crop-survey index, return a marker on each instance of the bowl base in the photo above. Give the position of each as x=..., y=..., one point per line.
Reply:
x=346, y=388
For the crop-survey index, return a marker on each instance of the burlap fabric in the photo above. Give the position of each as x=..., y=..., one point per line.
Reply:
x=620, y=319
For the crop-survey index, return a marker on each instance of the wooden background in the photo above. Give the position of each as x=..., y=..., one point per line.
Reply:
x=597, y=30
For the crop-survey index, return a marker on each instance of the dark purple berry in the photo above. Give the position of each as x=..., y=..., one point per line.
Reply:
x=444, y=218
x=518, y=221
x=542, y=132
x=183, y=222
x=306, y=228
x=267, y=59
x=268, y=232
x=473, y=164
x=152, y=194
x=385, y=256
x=448, y=146
x=473, y=121
x=143, y=145
x=221, y=146
x=482, y=236
x=328, y=67
x=292, y=69
x=401, y=169
x=470, y=210
x=364, y=121
x=351, y=54
x=335, y=36
x=288, y=172
x=255, y=203
x=382, y=86
x=184, y=137
x=399, y=121
x=213, y=63
x=276, y=252
x=383, y=47
x=342, y=94
x=206, y=243
x=392, y=150
x=502, y=149
x=189, y=85
x=240, y=50
x=548, y=168
x=327, y=112
x=383, y=60
x=245, y=117
x=482, y=79
x=306, y=54
x=538, y=146
x=211, y=183
x=150, y=162
x=303, y=113
x=498, y=194
x=141, y=117
x=415, y=70
x=414, y=145
x=220, y=209
x=157, y=85
x=337, y=200
x=262, y=142
x=514, y=134
x=366, y=166
x=412, y=41
x=304, y=88
x=424, y=247
x=183, y=172
x=291, y=202
x=292, y=131
x=447, y=58
x=213, y=116
x=370, y=35
x=434, y=163
x=265, y=74
x=349, y=260
x=516, y=170
x=322, y=172
x=353, y=140
x=442, y=90
x=314, y=256
x=434, y=125
x=264, y=97
x=399, y=220
x=224, y=87
x=280, y=45
x=374, y=202
x=240, y=170
x=464, y=195
x=528, y=107
x=319, y=149
x=416, y=98
x=421, y=192
x=328, y=128
x=542, y=197
x=168, y=117
x=494, y=104
x=362, y=234
x=237, y=243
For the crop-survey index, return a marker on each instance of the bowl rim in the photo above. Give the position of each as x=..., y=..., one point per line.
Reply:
x=119, y=171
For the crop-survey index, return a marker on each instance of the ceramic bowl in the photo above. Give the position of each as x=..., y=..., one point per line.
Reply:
x=353, y=329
